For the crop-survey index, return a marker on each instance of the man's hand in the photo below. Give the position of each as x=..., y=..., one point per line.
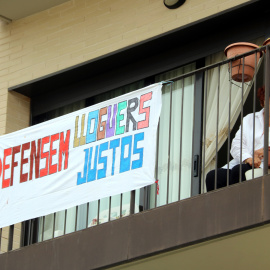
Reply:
x=258, y=156
x=257, y=162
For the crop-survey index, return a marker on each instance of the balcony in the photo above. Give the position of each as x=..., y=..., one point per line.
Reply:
x=178, y=211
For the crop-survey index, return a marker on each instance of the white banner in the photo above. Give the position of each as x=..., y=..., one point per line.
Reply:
x=96, y=152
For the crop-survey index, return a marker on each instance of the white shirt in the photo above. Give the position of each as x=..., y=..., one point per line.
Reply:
x=247, y=139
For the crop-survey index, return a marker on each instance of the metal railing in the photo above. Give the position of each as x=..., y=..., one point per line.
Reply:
x=149, y=195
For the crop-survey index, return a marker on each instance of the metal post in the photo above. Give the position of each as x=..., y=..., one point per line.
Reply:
x=0, y=238
x=43, y=224
x=181, y=140
x=29, y=232
x=76, y=218
x=145, y=193
x=229, y=125
x=242, y=115
x=218, y=90
x=22, y=235
x=157, y=152
x=110, y=203
x=266, y=111
x=204, y=129
x=169, y=146
x=10, y=237
x=254, y=108
x=54, y=218
x=98, y=212
x=132, y=202
x=32, y=231
x=87, y=214
x=65, y=222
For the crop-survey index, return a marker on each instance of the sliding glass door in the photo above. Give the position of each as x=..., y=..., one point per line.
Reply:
x=176, y=152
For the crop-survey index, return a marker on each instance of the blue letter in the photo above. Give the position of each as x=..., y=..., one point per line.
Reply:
x=102, y=172
x=92, y=173
x=125, y=162
x=80, y=179
x=138, y=163
x=91, y=137
x=113, y=144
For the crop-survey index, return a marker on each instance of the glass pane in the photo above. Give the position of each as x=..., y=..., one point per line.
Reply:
x=59, y=223
x=115, y=206
x=48, y=227
x=175, y=139
x=187, y=135
x=70, y=214
x=70, y=221
x=163, y=146
x=125, y=204
x=92, y=214
x=104, y=210
x=174, y=169
x=139, y=200
x=81, y=218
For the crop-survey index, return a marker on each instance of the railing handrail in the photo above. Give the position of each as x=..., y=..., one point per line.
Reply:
x=223, y=62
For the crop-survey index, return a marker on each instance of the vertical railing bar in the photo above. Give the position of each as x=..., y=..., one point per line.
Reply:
x=132, y=202
x=121, y=201
x=43, y=224
x=204, y=129
x=157, y=152
x=144, y=198
x=98, y=212
x=87, y=214
x=229, y=123
x=54, y=218
x=266, y=111
x=37, y=222
x=29, y=232
x=12, y=227
x=169, y=146
x=22, y=235
x=110, y=203
x=254, y=106
x=242, y=115
x=216, y=165
x=76, y=218
x=32, y=230
x=198, y=74
x=1, y=229
x=181, y=140
x=65, y=222
x=10, y=237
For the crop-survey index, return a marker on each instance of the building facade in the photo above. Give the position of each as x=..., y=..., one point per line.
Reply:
x=81, y=52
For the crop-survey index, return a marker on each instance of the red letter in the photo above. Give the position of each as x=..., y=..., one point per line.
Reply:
x=53, y=168
x=44, y=171
x=63, y=149
x=144, y=123
x=6, y=182
x=14, y=163
x=24, y=176
x=35, y=155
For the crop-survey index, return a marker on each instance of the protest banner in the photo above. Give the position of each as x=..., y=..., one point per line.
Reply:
x=96, y=152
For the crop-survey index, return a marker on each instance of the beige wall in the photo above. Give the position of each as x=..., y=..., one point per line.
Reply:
x=247, y=250
x=77, y=31
x=16, y=238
